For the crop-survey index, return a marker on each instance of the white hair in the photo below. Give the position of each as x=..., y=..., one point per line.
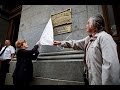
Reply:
x=98, y=22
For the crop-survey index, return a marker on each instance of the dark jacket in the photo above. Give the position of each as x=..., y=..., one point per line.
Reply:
x=23, y=72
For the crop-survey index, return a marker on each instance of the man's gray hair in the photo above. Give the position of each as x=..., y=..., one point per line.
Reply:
x=98, y=22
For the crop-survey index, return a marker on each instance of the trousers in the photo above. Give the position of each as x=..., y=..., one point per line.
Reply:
x=4, y=69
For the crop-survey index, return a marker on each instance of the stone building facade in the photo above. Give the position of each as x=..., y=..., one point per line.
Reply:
x=62, y=68
x=56, y=66
x=35, y=17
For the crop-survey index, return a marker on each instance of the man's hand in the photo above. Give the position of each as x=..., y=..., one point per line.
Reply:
x=56, y=42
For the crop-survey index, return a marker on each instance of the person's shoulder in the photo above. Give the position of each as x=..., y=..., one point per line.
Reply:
x=3, y=47
x=11, y=46
x=21, y=51
x=104, y=34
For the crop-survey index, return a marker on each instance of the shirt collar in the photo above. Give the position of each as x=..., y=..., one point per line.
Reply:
x=93, y=38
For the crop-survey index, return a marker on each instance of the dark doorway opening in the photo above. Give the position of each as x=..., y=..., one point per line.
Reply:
x=14, y=21
x=12, y=14
x=14, y=29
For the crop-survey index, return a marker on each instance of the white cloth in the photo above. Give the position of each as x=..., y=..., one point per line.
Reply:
x=47, y=35
x=7, y=53
x=101, y=58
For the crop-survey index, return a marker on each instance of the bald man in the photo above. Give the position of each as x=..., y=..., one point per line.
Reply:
x=6, y=54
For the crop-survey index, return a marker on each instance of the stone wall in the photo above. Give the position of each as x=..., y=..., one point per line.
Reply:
x=35, y=17
x=56, y=68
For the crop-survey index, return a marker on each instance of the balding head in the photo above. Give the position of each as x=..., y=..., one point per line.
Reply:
x=7, y=42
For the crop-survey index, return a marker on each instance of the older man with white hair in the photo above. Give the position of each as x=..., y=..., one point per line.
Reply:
x=7, y=52
x=101, y=58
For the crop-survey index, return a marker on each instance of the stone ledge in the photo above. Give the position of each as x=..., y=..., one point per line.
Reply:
x=68, y=57
x=50, y=81
x=44, y=81
x=61, y=53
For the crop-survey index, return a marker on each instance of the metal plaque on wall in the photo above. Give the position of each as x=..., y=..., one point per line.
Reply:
x=62, y=29
x=62, y=22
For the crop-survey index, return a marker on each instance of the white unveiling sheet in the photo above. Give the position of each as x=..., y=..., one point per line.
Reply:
x=47, y=35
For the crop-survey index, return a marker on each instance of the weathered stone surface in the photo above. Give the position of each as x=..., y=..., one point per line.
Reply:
x=92, y=7
x=26, y=7
x=93, y=10
x=82, y=17
x=44, y=81
x=59, y=69
x=9, y=79
x=55, y=71
x=47, y=48
x=35, y=17
x=12, y=66
x=49, y=81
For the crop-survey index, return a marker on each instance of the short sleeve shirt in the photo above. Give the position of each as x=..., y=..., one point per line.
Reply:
x=7, y=53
